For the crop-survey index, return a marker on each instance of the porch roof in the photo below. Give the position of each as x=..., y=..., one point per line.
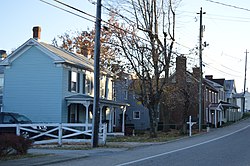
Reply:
x=229, y=105
x=83, y=97
x=216, y=106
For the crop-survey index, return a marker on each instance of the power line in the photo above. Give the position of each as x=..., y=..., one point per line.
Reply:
x=177, y=53
x=76, y=9
x=233, y=20
x=67, y=11
x=100, y=19
x=228, y=5
x=209, y=66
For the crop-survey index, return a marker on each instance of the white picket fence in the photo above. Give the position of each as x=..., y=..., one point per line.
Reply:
x=59, y=132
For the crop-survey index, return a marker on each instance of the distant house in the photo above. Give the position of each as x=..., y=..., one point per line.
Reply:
x=227, y=103
x=136, y=116
x=49, y=84
x=180, y=97
x=181, y=100
x=240, y=99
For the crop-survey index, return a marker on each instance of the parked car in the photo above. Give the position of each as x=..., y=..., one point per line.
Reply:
x=15, y=118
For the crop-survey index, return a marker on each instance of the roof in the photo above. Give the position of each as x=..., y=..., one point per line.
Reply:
x=57, y=54
x=215, y=106
x=219, y=81
x=228, y=105
x=71, y=58
x=211, y=84
x=83, y=97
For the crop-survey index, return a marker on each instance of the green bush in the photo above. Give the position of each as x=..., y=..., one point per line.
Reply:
x=13, y=144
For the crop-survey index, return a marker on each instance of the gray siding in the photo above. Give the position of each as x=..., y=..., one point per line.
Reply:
x=33, y=86
x=143, y=122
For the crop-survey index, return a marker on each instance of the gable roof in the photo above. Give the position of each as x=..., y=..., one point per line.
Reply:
x=58, y=55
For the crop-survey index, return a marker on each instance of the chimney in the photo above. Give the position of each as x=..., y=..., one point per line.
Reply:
x=181, y=70
x=196, y=73
x=37, y=33
x=209, y=77
x=3, y=54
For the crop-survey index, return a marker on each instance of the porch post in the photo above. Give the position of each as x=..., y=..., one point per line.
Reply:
x=87, y=116
x=101, y=107
x=215, y=118
x=123, y=119
x=110, y=119
x=220, y=118
x=209, y=116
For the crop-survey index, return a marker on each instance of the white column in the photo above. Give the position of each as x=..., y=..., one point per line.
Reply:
x=87, y=116
x=101, y=106
x=207, y=119
x=123, y=119
x=210, y=116
x=220, y=117
x=215, y=118
x=111, y=120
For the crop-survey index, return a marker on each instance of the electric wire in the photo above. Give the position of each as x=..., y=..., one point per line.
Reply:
x=67, y=11
x=228, y=5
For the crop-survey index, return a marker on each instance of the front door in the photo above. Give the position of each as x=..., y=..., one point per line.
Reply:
x=76, y=113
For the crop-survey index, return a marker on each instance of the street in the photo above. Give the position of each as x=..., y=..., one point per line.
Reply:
x=224, y=146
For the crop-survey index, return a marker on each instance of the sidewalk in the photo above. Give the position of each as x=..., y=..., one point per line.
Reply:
x=47, y=156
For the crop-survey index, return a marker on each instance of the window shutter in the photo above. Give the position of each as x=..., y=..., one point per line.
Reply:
x=69, y=81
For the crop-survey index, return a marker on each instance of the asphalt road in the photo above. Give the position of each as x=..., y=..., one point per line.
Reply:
x=229, y=146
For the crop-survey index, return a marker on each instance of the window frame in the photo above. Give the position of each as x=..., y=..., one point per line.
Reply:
x=135, y=115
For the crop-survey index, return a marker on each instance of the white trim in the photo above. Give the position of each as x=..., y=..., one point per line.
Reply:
x=26, y=46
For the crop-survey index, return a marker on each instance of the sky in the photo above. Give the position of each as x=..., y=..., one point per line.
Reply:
x=226, y=30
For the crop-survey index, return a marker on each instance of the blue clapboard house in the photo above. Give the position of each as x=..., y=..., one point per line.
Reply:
x=49, y=84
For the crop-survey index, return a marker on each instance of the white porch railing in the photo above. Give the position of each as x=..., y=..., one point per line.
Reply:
x=58, y=132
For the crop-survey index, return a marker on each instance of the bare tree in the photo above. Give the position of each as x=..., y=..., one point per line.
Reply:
x=146, y=40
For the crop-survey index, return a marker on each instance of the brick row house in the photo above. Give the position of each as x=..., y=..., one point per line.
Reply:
x=181, y=100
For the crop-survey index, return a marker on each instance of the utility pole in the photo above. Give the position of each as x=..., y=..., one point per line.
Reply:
x=244, y=100
x=96, y=109
x=200, y=57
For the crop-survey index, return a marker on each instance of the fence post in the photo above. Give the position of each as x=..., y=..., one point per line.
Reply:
x=60, y=134
x=18, y=129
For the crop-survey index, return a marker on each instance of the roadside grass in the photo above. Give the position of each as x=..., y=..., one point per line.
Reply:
x=143, y=137
x=14, y=157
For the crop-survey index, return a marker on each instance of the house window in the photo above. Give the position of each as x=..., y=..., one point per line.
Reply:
x=88, y=86
x=74, y=81
x=206, y=94
x=126, y=95
x=210, y=96
x=106, y=88
x=136, y=115
x=1, y=85
x=113, y=91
